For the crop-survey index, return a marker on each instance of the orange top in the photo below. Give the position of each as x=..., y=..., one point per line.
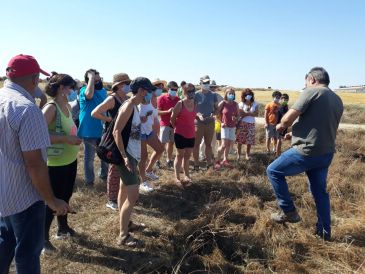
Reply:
x=272, y=109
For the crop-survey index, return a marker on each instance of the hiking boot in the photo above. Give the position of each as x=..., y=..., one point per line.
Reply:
x=151, y=175
x=48, y=248
x=113, y=205
x=282, y=217
x=145, y=188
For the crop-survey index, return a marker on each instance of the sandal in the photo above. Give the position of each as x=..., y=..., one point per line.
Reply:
x=136, y=227
x=130, y=241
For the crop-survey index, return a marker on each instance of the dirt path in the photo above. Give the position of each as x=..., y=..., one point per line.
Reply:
x=261, y=121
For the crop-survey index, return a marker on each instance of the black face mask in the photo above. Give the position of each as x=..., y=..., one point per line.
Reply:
x=98, y=85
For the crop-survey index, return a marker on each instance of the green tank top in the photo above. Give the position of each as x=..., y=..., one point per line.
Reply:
x=69, y=154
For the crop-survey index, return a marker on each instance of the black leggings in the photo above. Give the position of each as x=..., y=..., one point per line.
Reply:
x=62, y=181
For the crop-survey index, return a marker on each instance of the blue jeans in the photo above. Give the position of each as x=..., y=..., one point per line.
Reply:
x=22, y=235
x=89, y=151
x=290, y=163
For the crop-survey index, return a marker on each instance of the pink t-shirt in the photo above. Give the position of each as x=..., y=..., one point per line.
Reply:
x=165, y=102
x=228, y=111
x=184, y=124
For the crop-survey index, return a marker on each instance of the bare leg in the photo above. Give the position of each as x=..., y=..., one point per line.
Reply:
x=239, y=151
x=170, y=149
x=127, y=207
x=156, y=145
x=142, y=163
x=248, y=152
x=187, y=155
x=177, y=164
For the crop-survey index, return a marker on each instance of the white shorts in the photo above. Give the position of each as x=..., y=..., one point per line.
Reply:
x=166, y=134
x=228, y=133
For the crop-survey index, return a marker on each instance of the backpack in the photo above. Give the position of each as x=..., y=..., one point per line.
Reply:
x=107, y=150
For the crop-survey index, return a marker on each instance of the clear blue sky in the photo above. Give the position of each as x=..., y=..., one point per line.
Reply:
x=256, y=43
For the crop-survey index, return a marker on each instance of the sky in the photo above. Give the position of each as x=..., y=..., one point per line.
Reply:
x=256, y=43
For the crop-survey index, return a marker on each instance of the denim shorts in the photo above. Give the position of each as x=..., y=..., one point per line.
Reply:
x=145, y=137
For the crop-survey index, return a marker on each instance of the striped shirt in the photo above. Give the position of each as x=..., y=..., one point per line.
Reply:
x=22, y=128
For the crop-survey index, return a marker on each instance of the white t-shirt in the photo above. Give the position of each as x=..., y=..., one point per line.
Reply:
x=248, y=109
x=146, y=128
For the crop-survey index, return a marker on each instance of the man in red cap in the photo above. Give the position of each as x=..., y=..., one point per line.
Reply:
x=24, y=181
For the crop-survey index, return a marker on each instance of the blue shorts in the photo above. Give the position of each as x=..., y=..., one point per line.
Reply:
x=145, y=137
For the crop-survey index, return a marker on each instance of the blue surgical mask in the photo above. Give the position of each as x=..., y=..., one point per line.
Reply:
x=126, y=89
x=158, y=92
x=206, y=86
x=148, y=97
x=172, y=93
x=230, y=97
x=72, y=96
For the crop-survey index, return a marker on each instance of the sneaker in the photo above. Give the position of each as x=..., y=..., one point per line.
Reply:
x=145, y=188
x=323, y=235
x=152, y=175
x=112, y=205
x=282, y=217
x=196, y=168
x=170, y=164
x=65, y=233
x=48, y=248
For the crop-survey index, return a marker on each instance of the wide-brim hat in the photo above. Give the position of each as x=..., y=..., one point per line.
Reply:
x=205, y=79
x=158, y=82
x=120, y=78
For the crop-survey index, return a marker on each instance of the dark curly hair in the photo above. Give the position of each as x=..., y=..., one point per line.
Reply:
x=56, y=80
x=247, y=91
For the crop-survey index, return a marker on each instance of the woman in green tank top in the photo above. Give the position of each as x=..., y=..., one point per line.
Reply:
x=62, y=155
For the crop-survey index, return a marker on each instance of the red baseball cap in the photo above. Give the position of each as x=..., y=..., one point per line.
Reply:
x=22, y=65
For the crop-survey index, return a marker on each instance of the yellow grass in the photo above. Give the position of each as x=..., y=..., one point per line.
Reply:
x=264, y=96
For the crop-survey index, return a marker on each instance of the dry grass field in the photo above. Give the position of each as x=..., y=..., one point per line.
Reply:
x=221, y=223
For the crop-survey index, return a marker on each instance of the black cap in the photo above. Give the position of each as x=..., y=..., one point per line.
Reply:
x=142, y=82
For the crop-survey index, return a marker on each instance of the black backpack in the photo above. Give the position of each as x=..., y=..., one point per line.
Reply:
x=107, y=149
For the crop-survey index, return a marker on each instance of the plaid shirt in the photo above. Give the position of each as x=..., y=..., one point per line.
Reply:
x=22, y=128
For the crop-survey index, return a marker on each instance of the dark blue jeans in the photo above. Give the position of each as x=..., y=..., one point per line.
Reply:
x=22, y=236
x=290, y=163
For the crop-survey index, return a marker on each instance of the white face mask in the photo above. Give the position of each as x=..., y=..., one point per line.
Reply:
x=248, y=97
x=276, y=100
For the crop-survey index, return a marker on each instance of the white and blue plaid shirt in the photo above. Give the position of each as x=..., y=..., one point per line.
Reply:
x=22, y=128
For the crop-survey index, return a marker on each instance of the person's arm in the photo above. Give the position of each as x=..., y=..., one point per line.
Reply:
x=100, y=110
x=255, y=113
x=43, y=101
x=288, y=119
x=38, y=173
x=175, y=112
x=121, y=121
x=49, y=112
x=90, y=89
x=266, y=116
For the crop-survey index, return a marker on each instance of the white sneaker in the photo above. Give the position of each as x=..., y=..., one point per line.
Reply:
x=112, y=205
x=145, y=188
x=152, y=175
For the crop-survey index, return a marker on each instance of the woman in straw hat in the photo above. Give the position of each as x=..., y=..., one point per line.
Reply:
x=106, y=111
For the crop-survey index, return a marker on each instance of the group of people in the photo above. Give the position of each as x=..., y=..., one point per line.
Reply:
x=39, y=147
